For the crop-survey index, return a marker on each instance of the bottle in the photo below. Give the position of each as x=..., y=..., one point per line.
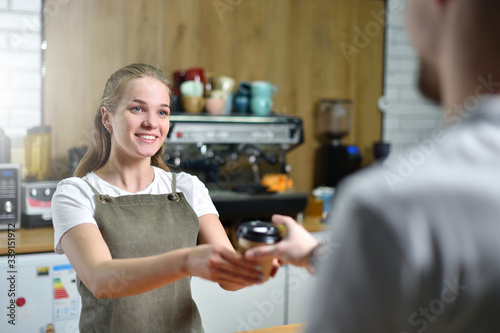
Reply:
x=4, y=147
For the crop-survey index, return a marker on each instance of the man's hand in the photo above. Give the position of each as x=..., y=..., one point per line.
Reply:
x=295, y=248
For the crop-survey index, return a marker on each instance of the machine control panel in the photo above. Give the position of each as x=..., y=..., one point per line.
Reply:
x=280, y=130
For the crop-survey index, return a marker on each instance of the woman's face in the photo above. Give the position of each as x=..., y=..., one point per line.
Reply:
x=141, y=121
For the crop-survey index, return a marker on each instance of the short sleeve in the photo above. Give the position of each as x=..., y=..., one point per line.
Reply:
x=202, y=202
x=72, y=204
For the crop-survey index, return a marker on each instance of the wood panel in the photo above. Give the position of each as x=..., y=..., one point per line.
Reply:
x=218, y=35
x=315, y=76
x=252, y=47
x=145, y=32
x=295, y=44
x=370, y=82
x=65, y=81
x=182, y=44
x=280, y=62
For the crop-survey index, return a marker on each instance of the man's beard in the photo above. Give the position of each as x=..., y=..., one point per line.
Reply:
x=428, y=82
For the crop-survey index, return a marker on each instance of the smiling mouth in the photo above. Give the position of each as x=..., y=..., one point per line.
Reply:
x=147, y=137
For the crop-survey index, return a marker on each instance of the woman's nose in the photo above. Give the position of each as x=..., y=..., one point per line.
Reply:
x=150, y=122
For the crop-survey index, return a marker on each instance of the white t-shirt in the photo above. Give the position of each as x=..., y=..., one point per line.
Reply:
x=73, y=202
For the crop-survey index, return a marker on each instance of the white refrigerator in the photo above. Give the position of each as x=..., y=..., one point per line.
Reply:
x=38, y=294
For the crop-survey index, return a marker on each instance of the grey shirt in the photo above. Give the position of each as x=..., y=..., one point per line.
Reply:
x=416, y=242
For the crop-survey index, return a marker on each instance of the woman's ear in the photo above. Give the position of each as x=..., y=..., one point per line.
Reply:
x=105, y=119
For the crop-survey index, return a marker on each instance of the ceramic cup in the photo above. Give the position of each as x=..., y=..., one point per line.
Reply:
x=261, y=105
x=225, y=83
x=193, y=104
x=195, y=74
x=215, y=106
x=229, y=104
x=263, y=88
x=241, y=103
x=191, y=88
x=257, y=233
x=178, y=79
x=218, y=93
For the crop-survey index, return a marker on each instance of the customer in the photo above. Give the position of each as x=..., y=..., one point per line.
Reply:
x=133, y=231
x=419, y=252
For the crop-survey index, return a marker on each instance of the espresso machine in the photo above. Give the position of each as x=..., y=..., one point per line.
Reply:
x=231, y=154
x=334, y=160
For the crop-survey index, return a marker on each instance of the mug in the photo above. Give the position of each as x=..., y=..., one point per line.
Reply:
x=215, y=106
x=229, y=103
x=195, y=74
x=244, y=88
x=261, y=106
x=217, y=93
x=241, y=103
x=225, y=83
x=193, y=104
x=191, y=88
x=263, y=88
x=178, y=79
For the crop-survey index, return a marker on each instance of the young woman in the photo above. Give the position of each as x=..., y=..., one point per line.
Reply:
x=134, y=231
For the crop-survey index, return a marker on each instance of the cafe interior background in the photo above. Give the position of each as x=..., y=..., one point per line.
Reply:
x=55, y=56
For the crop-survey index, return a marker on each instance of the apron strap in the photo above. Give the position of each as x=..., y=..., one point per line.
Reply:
x=174, y=196
x=92, y=187
x=174, y=182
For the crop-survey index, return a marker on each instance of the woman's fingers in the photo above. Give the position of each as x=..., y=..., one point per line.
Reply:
x=262, y=252
x=222, y=264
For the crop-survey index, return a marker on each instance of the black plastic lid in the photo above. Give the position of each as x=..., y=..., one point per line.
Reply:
x=258, y=231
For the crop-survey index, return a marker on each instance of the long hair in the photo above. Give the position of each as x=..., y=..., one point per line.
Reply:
x=100, y=147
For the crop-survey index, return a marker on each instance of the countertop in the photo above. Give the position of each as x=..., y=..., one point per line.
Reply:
x=28, y=240
x=42, y=239
x=294, y=328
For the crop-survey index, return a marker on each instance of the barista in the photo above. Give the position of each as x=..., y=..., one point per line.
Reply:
x=134, y=231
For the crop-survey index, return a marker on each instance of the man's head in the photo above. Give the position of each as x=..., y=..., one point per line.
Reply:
x=457, y=41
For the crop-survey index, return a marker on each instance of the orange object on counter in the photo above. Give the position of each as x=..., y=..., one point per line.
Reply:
x=277, y=182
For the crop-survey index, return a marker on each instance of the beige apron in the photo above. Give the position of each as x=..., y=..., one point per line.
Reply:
x=137, y=226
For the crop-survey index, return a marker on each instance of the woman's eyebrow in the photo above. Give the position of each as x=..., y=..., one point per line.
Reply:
x=140, y=101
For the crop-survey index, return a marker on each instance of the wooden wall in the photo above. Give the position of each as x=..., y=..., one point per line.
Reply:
x=311, y=49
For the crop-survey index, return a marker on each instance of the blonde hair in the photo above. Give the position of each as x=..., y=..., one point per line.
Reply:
x=100, y=147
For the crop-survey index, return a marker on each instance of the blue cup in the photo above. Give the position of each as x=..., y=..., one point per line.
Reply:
x=263, y=89
x=241, y=103
x=261, y=106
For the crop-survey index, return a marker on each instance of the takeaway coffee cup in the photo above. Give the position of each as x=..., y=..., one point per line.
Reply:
x=257, y=233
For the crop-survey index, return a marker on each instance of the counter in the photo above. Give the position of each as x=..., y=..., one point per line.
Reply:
x=295, y=328
x=29, y=240
x=42, y=239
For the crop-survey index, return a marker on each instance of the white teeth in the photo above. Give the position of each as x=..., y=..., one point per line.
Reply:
x=147, y=137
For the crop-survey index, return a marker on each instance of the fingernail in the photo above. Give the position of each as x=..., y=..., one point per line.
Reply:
x=262, y=277
x=257, y=267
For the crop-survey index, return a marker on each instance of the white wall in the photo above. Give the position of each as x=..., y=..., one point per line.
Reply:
x=20, y=74
x=409, y=118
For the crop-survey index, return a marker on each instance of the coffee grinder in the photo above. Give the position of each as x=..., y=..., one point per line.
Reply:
x=334, y=160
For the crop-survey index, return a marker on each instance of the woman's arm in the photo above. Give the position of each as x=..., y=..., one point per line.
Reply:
x=106, y=277
x=212, y=232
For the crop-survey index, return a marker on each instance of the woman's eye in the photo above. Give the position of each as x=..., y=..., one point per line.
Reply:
x=137, y=108
x=163, y=113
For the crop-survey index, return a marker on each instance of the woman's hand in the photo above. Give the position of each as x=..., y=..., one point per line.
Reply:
x=219, y=264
